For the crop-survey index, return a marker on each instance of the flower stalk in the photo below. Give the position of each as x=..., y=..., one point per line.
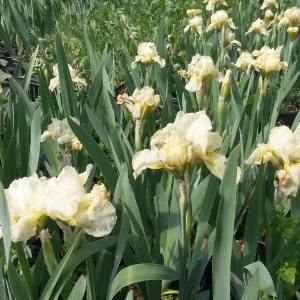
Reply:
x=186, y=213
x=139, y=128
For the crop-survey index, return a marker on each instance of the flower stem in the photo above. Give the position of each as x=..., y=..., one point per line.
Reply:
x=186, y=214
x=260, y=105
x=139, y=128
x=223, y=48
x=200, y=98
x=291, y=46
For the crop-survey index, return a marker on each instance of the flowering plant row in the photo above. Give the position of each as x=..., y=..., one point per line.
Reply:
x=156, y=185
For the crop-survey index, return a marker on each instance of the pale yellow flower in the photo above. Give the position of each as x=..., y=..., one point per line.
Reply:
x=62, y=199
x=192, y=13
x=54, y=82
x=195, y=24
x=219, y=19
x=229, y=38
x=259, y=26
x=269, y=15
x=186, y=142
x=283, y=151
x=292, y=31
x=243, y=61
x=199, y=71
x=212, y=3
x=60, y=131
x=291, y=18
x=147, y=53
x=269, y=3
x=267, y=60
x=142, y=102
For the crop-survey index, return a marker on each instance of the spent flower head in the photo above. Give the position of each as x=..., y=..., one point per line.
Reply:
x=147, y=53
x=54, y=82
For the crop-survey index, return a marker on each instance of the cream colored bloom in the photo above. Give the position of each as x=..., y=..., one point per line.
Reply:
x=62, y=198
x=212, y=3
x=268, y=60
x=269, y=15
x=195, y=24
x=192, y=13
x=219, y=19
x=201, y=69
x=229, y=38
x=292, y=31
x=291, y=18
x=54, y=82
x=62, y=133
x=146, y=54
x=283, y=151
x=243, y=61
x=269, y=3
x=259, y=26
x=142, y=102
x=181, y=145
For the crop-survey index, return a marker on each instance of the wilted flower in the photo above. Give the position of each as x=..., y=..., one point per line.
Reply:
x=54, y=82
x=283, y=151
x=60, y=131
x=269, y=3
x=146, y=54
x=142, y=102
x=219, y=19
x=259, y=26
x=192, y=13
x=243, y=61
x=229, y=38
x=195, y=24
x=269, y=15
x=199, y=71
x=183, y=144
x=291, y=18
x=62, y=198
x=212, y=3
x=267, y=60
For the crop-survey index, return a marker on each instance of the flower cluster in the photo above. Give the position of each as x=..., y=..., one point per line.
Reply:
x=265, y=61
x=62, y=198
x=291, y=19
